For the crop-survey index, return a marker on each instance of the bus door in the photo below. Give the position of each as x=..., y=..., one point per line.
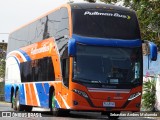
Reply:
x=65, y=81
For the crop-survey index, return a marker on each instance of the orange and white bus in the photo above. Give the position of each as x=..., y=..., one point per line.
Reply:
x=80, y=56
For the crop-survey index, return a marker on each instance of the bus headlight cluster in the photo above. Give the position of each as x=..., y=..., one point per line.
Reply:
x=81, y=93
x=133, y=96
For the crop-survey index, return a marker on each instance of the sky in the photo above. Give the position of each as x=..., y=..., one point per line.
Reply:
x=15, y=13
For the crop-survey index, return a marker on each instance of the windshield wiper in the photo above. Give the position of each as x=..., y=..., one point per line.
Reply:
x=87, y=81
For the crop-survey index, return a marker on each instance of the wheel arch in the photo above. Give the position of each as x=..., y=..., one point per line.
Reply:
x=17, y=88
x=51, y=90
x=12, y=93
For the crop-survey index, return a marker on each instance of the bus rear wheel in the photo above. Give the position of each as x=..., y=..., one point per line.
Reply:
x=12, y=98
x=17, y=105
x=13, y=105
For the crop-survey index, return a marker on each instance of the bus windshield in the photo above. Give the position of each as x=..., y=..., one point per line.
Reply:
x=107, y=65
x=105, y=24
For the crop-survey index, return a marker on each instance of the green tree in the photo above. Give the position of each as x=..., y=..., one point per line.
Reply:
x=2, y=68
x=148, y=13
x=3, y=48
x=149, y=95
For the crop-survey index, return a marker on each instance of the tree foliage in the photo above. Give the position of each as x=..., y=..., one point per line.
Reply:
x=3, y=48
x=2, y=68
x=149, y=95
x=148, y=13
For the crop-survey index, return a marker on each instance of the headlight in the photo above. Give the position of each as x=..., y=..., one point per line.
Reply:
x=133, y=96
x=81, y=93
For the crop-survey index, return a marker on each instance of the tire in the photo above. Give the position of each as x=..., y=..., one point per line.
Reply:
x=12, y=99
x=13, y=105
x=54, y=111
x=109, y=115
x=17, y=104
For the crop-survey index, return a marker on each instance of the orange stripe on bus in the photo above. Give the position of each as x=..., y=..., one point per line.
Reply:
x=18, y=57
x=28, y=97
x=49, y=43
x=70, y=19
x=56, y=64
x=70, y=71
x=33, y=94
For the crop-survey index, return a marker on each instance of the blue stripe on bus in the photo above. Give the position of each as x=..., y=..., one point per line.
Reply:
x=107, y=42
x=22, y=94
x=17, y=61
x=25, y=55
x=42, y=91
x=8, y=92
x=57, y=105
x=8, y=87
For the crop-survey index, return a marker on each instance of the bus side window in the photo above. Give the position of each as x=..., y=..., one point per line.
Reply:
x=65, y=71
x=51, y=73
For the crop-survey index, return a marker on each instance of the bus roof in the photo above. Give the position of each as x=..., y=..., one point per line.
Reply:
x=79, y=6
x=98, y=5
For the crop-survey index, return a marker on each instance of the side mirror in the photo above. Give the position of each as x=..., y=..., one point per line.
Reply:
x=153, y=51
x=149, y=48
x=72, y=47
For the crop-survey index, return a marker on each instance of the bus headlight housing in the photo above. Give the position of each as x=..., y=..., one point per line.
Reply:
x=133, y=96
x=81, y=93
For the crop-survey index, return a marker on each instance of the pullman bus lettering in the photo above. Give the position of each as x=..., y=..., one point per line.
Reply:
x=106, y=14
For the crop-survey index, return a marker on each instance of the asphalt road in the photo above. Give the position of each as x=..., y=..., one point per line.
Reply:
x=72, y=116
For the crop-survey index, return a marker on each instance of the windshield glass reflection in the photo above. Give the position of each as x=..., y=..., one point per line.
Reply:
x=107, y=65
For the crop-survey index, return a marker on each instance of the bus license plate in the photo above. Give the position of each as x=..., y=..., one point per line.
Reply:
x=108, y=104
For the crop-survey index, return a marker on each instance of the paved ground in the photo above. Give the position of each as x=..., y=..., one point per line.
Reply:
x=72, y=116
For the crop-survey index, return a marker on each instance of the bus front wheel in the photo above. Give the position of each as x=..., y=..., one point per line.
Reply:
x=54, y=111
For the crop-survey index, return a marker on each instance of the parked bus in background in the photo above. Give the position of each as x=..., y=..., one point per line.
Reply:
x=80, y=56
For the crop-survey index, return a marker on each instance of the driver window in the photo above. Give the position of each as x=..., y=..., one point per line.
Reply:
x=65, y=71
x=65, y=67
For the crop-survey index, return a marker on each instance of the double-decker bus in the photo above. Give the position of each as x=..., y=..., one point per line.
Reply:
x=80, y=56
